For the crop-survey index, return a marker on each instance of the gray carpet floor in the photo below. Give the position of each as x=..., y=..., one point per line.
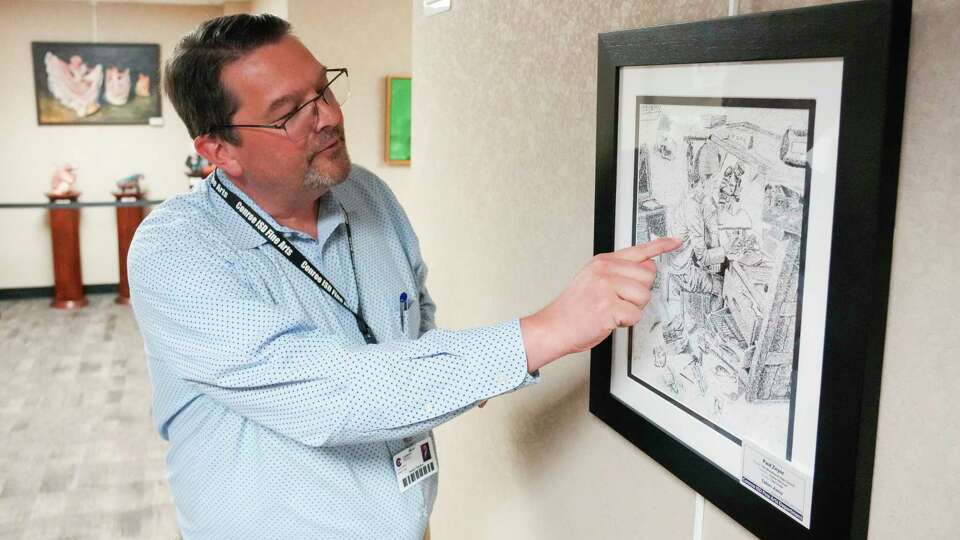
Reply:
x=79, y=457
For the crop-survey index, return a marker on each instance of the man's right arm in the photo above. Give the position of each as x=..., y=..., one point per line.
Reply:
x=609, y=292
x=208, y=326
x=212, y=330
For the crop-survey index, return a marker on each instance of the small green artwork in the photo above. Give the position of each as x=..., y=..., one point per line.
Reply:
x=398, y=120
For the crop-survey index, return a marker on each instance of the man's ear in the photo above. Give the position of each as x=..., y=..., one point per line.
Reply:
x=219, y=153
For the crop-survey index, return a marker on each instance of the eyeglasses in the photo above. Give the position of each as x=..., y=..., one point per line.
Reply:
x=298, y=124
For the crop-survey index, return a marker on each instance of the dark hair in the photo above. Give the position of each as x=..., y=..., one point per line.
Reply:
x=192, y=74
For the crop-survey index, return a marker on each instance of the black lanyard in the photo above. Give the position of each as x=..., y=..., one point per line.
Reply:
x=294, y=256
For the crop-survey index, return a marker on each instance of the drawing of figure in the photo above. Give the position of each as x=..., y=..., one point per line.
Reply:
x=695, y=272
x=731, y=184
x=738, y=238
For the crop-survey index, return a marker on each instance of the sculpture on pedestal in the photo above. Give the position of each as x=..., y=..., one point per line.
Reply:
x=130, y=185
x=63, y=180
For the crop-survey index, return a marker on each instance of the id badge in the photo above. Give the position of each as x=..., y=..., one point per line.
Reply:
x=415, y=463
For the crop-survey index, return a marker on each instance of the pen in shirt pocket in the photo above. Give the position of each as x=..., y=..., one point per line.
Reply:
x=404, y=304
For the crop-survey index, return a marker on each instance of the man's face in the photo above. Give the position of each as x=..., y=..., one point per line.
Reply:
x=268, y=84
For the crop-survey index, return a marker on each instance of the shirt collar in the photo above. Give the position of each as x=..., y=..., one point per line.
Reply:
x=330, y=215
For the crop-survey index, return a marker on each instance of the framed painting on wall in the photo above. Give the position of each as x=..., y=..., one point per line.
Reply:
x=96, y=83
x=769, y=144
x=398, y=120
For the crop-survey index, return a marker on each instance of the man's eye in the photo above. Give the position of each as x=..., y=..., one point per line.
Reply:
x=287, y=116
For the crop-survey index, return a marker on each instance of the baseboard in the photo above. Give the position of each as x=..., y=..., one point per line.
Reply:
x=47, y=292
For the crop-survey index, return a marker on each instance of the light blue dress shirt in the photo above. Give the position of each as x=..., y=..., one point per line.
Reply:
x=282, y=422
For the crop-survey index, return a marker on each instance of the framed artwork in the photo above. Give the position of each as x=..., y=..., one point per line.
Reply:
x=769, y=144
x=398, y=120
x=96, y=83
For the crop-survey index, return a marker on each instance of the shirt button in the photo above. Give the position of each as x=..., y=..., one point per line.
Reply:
x=428, y=408
x=501, y=379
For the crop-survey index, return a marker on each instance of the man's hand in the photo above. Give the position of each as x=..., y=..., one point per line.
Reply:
x=610, y=292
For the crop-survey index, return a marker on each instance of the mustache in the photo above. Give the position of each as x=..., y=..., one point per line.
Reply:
x=327, y=135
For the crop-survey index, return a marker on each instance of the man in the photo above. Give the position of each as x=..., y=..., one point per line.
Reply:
x=288, y=330
x=697, y=267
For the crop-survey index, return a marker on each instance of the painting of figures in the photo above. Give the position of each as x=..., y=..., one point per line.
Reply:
x=96, y=83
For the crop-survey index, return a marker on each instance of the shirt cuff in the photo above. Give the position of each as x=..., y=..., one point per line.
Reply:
x=502, y=367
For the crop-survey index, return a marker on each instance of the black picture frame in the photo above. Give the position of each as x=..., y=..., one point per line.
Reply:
x=140, y=102
x=872, y=38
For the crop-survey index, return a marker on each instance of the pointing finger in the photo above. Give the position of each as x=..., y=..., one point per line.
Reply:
x=644, y=272
x=649, y=250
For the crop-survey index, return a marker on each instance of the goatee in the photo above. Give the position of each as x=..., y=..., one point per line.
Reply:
x=320, y=181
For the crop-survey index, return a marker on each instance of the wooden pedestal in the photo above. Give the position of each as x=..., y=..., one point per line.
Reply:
x=65, y=231
x=128, y=219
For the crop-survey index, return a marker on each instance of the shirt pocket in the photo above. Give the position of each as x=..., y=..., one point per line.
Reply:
x=411, y=317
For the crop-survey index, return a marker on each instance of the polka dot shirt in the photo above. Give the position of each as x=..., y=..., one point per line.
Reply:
x=282, y=422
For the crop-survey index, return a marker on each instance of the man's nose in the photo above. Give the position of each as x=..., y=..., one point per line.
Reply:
x=327, y=114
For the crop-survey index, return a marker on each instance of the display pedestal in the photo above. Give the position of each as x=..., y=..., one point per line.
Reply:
x=128, y=219
x=65, y=232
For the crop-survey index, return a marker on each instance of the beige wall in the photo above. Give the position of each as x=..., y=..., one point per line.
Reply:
x=275, y=7
x=103, y=154
x=504, y=102
x=372, y=39
x=236, y=7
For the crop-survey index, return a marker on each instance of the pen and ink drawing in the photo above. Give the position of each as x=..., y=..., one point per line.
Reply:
x=730, y=177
